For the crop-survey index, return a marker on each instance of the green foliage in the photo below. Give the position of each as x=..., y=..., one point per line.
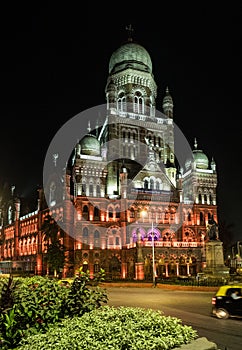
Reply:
x=123, y=328
x=82, y=298
x=55, y=256
x=10, y=334
x=31, y=305
x=8, y=323
x=53, y=233
x=6, y=289
x=38, y=302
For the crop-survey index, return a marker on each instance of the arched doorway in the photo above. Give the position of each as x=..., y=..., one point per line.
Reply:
x=115, y=268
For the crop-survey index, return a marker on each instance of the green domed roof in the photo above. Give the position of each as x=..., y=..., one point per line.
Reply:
x=90, y=145
x=201, y=159
x=130, y=55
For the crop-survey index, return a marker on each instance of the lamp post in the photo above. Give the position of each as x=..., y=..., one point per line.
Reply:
x=153, y=255
x=143, y=213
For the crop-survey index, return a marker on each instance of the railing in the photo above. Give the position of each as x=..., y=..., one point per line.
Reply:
x=167, y=244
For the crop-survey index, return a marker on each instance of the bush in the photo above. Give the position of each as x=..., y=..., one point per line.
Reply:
x=31, y=305
x=122, y=328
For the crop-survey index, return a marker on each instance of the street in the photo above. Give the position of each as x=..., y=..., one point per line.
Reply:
x=193, y=308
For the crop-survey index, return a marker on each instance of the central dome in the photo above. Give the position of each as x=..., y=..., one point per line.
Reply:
x=130, y=55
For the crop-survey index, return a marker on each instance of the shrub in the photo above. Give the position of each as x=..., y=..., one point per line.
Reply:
x=122, y=328
x=35, y=303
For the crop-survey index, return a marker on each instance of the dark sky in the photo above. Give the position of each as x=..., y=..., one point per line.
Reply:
x=54, y=64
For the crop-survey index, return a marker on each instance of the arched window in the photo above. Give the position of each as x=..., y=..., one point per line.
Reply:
x=210, y=199
x=83, y=189
x=85, y=266
x=151, y=184
x=138, y=103
x=189, y=218
x=110, y=212
x=96, y=239
x=96, y=214
x=200, y=198
x=85, y=235
x=91, y=190
x=85, y=213
x=122, y=107
x=98, y=191
x=96, y=267
x=146, y=184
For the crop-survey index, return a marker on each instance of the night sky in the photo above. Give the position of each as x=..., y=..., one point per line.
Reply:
x=54, y=64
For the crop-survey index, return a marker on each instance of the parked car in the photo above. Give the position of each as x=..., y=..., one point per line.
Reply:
x=201, y=276
x=223, y=303
x=66, y=281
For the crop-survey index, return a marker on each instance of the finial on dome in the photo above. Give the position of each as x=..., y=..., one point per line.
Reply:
x=129, y=29
x=167, y=90
x=195, y=143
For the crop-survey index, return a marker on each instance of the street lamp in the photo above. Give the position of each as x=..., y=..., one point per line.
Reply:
x=143, y=214
x=153, y=255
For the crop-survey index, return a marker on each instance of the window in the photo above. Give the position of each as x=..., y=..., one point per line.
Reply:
x=201, y=218
x=91, y=190
x=83, y=189
x=122, y=103
x=96, y=213
x=110, y=213
x=96, y=239
x=85, y=235
x=151, y=184
x=85, y=213
x=138, y=103
x=98, y=191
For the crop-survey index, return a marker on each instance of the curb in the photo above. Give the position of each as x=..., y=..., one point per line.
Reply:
x=199, y=344
x=160, y=286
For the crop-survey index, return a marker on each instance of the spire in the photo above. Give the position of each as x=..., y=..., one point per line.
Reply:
x=129, y=29
x=168, y=104
x=195, y=143
x=89, y=127
x=55, y=157
x=213, y=164
x=12, y=190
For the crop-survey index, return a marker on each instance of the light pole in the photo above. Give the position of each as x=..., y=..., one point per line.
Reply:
x=143, y=213
x=153, y=255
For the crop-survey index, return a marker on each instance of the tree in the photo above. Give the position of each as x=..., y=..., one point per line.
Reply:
x=53, y=234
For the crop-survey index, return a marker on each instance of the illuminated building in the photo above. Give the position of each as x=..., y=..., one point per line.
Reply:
x=126, y=164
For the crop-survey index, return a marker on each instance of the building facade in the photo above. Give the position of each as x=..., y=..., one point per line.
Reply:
x=133, y=199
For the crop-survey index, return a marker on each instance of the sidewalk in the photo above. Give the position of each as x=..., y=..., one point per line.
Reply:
x=159, y=285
